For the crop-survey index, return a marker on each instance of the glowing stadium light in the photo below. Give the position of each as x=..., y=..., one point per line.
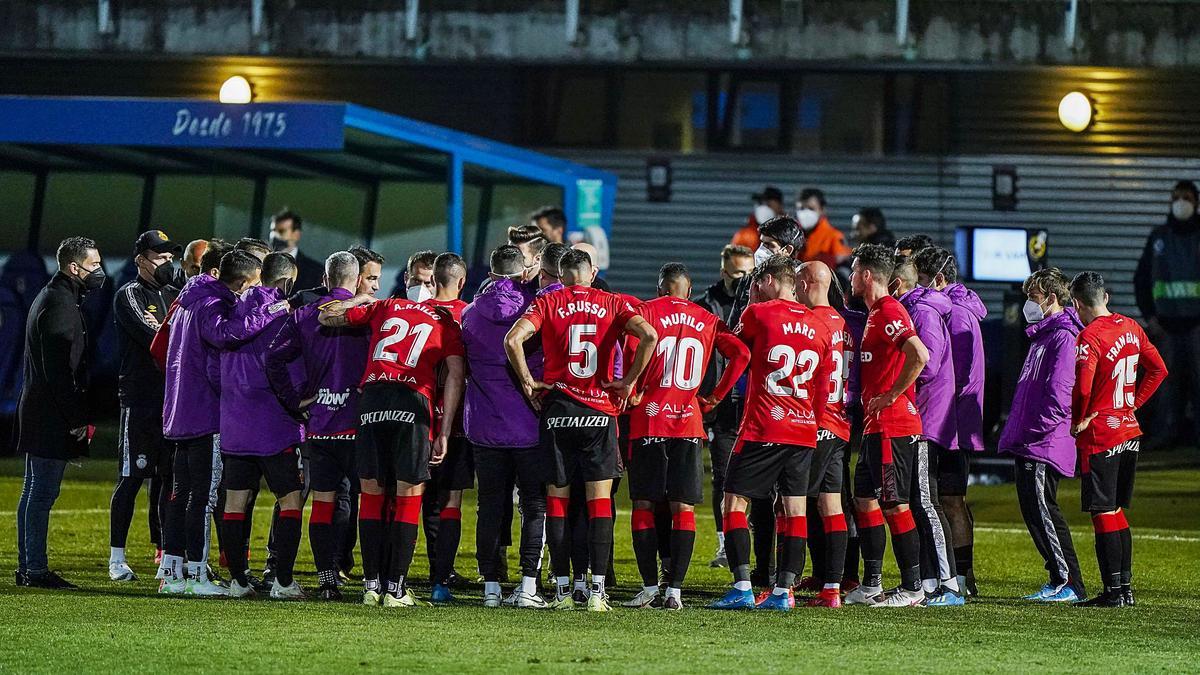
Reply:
x=1075, y=111
x=236, y=89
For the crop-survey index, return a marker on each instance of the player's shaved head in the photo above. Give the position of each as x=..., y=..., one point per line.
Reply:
x=815, y=277
x=905, y=275
x=507, y=261
x=448, y=269
x=575, y=268
x=675, y=280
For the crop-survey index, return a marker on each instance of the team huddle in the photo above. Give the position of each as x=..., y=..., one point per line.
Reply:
x=384, y=410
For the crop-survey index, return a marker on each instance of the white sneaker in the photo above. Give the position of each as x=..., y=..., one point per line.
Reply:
x=172, y=586
x=290, y=592
x=237, y=590
x=203, y=587
x=901, y=597
x=511, y=599
x=642, y=599
x=522, y=600
x=120, y=571
x=492, y=600
x=864, y=595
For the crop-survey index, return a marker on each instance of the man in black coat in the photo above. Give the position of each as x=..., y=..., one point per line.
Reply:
x=52, y=417
x=286, y=229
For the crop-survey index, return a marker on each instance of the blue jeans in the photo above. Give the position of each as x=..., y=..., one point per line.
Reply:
x=43, y=477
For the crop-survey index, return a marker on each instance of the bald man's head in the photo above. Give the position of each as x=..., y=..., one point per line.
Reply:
x=592, y=254
x=815, y=278
x=191, y=257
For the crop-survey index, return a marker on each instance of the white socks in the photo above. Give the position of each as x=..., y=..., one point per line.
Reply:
x=952, y=584
x=929, y=585
x=721, y=540
x=598, y=583
x=742, y=585
x=116, y=555
x=529, y=585
x=650, y=590
x=834, y=586
x=673, y=593
x=491, y=588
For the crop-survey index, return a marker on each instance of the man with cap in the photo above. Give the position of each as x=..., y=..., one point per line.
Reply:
x=768, y=204
x=140, y=307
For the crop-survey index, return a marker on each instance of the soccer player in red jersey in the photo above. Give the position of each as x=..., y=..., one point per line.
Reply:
x=666, y=427
x=442, y=502
x=1107, y=394
x=894, y=458
x=790, y=366
x=580, y=327
x=833, y=442
x=409, y=341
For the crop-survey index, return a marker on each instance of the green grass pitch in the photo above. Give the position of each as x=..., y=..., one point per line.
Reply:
x=108, y=627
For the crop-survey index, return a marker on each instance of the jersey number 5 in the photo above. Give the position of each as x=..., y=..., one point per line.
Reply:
x=585, y=348
x=789, y=361
x=401, y=329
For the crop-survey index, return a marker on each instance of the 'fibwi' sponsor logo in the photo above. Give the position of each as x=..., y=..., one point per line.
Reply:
x=576, y=422
x=387, y=416
x=332, y=399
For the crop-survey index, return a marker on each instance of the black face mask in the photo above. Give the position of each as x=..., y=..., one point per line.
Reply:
x=168, y=274
x=278, y=244
x=94, y=279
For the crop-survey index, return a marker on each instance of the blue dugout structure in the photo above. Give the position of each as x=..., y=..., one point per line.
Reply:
x=338, y=140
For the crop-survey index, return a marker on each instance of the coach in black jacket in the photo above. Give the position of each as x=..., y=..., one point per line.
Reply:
x=52, y=417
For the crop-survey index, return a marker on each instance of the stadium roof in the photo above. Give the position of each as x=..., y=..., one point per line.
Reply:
x=334, y=140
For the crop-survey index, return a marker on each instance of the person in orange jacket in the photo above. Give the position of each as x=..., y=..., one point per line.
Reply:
x=822, y=241
x=767, y=205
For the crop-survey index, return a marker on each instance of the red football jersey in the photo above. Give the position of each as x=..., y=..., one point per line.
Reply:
x=686, y=335
x=580, y=329
x=455, y=307
x=1108, y=352
x=888, y=328
x=408, y=342
x=789, y=373
x=841, y=350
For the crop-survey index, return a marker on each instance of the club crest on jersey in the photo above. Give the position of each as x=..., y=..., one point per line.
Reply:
x=332, y=399
x=387, y=416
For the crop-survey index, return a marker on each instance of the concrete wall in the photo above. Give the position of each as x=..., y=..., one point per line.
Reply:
x=1113, y=33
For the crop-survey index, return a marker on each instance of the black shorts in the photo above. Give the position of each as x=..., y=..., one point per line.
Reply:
x=330, y=461
x=143, y=450
x=457, y=470
x=392, y=441
x=666, y=469
x=578, y=442
x=825, y=473
x=757, y=469
x=284, y=472
x=954, y=468
x=1108, y=477
x=887, y=476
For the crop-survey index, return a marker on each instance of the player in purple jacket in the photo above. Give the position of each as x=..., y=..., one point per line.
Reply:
x=503, y=431
x=200, y=328
x=314, y=370
x=1038, y=430
x=930, y=312
x=937, y=269
x=260, y=439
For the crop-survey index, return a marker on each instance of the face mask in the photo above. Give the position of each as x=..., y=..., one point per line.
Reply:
x=167, y=274
x=808, y=218
x=763, y=213
x=279, y=244
x=1182, y=209
x=1033, y=311
x=287, y=287
x=418, y=293
x=761, y=255
x=94, y=279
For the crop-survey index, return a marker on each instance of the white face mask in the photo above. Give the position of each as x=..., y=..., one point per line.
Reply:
x=763, y=213
x=1033, y=311
x=761, y=254
x=1182, y=209
x=418, y=293
x=808, y=218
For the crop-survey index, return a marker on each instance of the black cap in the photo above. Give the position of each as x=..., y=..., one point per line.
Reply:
x=157, y=241
x=769, y=192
